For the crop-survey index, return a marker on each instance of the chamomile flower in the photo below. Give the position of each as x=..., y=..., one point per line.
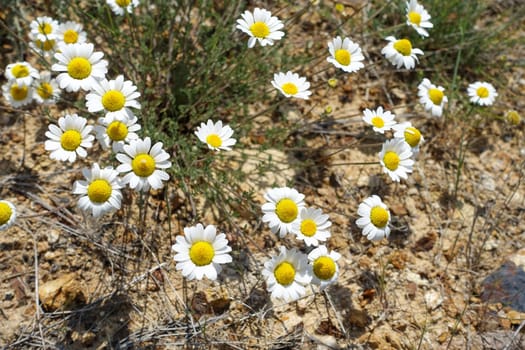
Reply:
x=45, y=48
x=46, y=89
x=282, y=208
x=7, y=214
x=374, y=218
x=216, y=136
x=432, y=97
x=412, y=136
x=482, y=93
x=70, y=33
x=119, y=6
x=200, y=252
x=21, y=72
x=418, y=18
x=400, y=52
x=261, y=26
x=287, y=274
x=116, y=133
x=345, y=54
x=17, y=95
x=380, y=120
x=81, y=67
x=143, y=164
x=396, y=159
x=44, y=28
x=312, y=226
x=324, y=266
x=100, y=190
x=115, y=97
x=70, y=138
x=291, y=85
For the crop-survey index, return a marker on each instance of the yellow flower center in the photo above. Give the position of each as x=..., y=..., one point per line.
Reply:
x=308, y=227
x=343, y=57
x=378, y=122
x=123, y=3
x=99, y=191
x=45, y=90
x=214, y=140
x=513, y=117
x=284, y=273
x=5, y=213
x=290, y=88
x=482, y=92
x=113, y=100
x=46, y=45
x=79, y=68
x=414, y=17
x=19, y=93
x=70, y=140
x=435, y=95
x=379, y=216
x=339, y=7
x=70, y=36
x=412, y=136
x=202, y=253
x=403, y=46
x=143, y=165
x=45, y=28
x=286, y=210
x=117, y=131
x=20, y=71
x=391, y=160
x=324, y=268
x=260, y=30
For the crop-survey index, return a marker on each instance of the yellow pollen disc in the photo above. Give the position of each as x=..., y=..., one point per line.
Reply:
x=99, y=191
x=513, y=117
x=482, y=92
x=414, y=17
x=143, y=165
x=117, y=131
x=70, y=140
x=324, y=268
x=113, y=100
x=286, y=210
x=5, y=213
x=46, y=45
x=412, y=136
x=79, y=68
x=45, y=28
x=379, y=216
x=45, y=90
x=378, y=122
x=18, y=93
x=284, y=273
x=290, y=88
x=308, y=227
x=435, y=95
x=70, y=36
x=20, y=71
x=123, y=3
x=391, y=160
x=403, y=46
x=260, y=30
x=202, y=253
x=214, y=140
x=343, y=57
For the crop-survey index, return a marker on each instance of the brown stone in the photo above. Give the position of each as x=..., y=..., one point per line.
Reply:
x=64, y=292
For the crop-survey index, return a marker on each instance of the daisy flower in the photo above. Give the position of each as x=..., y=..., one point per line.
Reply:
x=7, y=214
x=200, y=252
x=374, y=218
x=312, y=226
x=17, y=95
x=44, y=28
x=400, y=52
x=482, y=93
x=432, y=97
x=45, y=48
x=287, y=274
x=412, y=136
x=70, y=138
x=115, y=97
x=117, y=133
x=142, y=163
x=46, y=89
x=100, y=190
x=70, y=33
x=260, y=26
x=380, y=120
x=418, y=18
x=119, y=6
x=324, y=267
x=81, y=66
x=216, y=136
x=21, y=72
x=282, y=209
x=395, y=157
x=345, y=54
x=291, y=85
